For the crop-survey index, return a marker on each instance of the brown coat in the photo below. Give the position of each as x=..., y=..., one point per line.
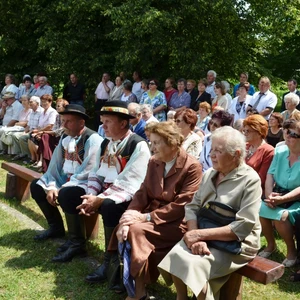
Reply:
x=165, y=199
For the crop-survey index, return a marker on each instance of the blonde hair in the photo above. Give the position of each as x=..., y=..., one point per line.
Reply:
x=168, y=131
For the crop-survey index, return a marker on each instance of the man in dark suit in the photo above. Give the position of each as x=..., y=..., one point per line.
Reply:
x=138, y=123
x=292, y=86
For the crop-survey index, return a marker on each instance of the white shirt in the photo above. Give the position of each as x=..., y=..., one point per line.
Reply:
x=211, y=89
x=268, y=100
x=243, y=111
x=137, y=90
x=101, y=92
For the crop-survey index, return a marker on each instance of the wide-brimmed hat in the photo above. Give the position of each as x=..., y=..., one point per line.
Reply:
x=116, y=107
x=75, y=109
x=9, y=95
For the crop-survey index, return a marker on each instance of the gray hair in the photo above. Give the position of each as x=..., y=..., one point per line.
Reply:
x=293, y=97
x=238, y=124
x=36, y=99
x=226, y=85
x=212, y=72
x=137, y=107
x=44, y=78
x=26, y=97
x=148, y=107
x=233, y=141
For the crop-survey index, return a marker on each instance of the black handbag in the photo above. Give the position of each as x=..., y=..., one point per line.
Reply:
x=115, y=272
x=282, y=191
x=209, y=218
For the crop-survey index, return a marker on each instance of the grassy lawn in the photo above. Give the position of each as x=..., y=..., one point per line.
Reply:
x=26, y=271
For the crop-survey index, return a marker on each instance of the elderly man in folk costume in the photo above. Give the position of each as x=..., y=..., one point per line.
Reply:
x=118, y=172
x=67, y=175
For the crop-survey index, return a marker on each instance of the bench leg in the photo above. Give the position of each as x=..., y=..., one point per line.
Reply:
x=92, y=226
x=23, y=189
x=232, y=289
x=11, y=185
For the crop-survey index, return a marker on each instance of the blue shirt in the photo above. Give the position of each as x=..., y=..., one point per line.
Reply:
x=43, y=90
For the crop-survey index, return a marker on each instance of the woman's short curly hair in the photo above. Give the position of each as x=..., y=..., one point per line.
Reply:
x=189, y=116
x=168, y=131
x=205, y=105
x=258, y=124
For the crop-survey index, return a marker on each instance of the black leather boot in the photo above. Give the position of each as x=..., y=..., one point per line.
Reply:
x=64, y=246
x=56, y=226
x=100, y=274
x=76, y=227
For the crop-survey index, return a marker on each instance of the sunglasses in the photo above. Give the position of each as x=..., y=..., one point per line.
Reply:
x=152, y=83
x=293, y=135
x=212, y=123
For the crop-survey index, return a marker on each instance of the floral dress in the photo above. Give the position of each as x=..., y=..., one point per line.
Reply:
x=155, y=100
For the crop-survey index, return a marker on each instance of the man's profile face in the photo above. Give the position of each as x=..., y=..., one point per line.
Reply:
x=112, y=125
x=73, y=124
x=291, y=86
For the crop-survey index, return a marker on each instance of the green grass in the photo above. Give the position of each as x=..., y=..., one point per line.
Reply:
x=26, y=271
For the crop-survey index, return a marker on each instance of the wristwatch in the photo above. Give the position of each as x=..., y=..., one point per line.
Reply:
x=148, y=217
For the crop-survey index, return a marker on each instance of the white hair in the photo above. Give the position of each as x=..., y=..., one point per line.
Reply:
x=226, y=85
x=293, y=97
x=148, y=107
x=36, y=99
x=44, y=78
x=212, y=72
x=233, y=140
x=137, y=107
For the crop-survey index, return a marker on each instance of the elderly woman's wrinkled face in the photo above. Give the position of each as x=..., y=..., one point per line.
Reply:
x=221, y=160
x=45, y=104
x=289, y=104
x=160, y=149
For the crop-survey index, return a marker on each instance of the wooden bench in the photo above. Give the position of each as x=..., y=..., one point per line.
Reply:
x=18, y=181
x=260, y=269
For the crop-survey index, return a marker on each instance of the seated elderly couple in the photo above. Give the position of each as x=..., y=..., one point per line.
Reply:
x=83, y=181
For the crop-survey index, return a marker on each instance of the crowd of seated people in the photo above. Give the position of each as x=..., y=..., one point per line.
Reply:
x=224, y=137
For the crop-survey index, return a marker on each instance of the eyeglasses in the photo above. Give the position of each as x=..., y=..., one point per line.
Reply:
x=245, y=131
x=212, y=123
x=293, y=135
x=152, y=83
x=177, y=121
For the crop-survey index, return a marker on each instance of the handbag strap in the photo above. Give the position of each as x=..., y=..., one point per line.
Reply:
x=222, y=205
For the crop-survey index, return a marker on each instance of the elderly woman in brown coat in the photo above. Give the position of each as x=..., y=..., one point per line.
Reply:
x=154, y=221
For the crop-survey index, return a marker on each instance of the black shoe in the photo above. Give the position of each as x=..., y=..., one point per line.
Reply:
x=50, y=234
x=70, y=253
x=99, y=275
x=64, y=246
x=18, y=157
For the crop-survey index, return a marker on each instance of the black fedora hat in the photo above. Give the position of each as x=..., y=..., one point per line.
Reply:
x=116, y=107
x=75, y=109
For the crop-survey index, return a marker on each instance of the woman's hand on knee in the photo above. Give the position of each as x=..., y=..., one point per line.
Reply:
x=200, y=248
x=191, y=237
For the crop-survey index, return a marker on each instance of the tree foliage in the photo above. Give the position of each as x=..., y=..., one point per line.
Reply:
x=159, y=38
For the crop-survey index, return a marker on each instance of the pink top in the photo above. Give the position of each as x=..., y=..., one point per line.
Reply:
x=24, y=115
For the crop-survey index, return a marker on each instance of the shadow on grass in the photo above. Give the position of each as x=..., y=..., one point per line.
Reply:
x=68, y=277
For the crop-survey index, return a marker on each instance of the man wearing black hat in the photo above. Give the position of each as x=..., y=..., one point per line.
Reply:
x=118, y=174
x=67, y=175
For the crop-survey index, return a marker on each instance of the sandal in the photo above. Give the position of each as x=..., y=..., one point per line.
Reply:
x=295, y=277
x=266, y=254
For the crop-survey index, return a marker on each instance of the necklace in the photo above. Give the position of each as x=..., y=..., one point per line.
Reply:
x=251, y=150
